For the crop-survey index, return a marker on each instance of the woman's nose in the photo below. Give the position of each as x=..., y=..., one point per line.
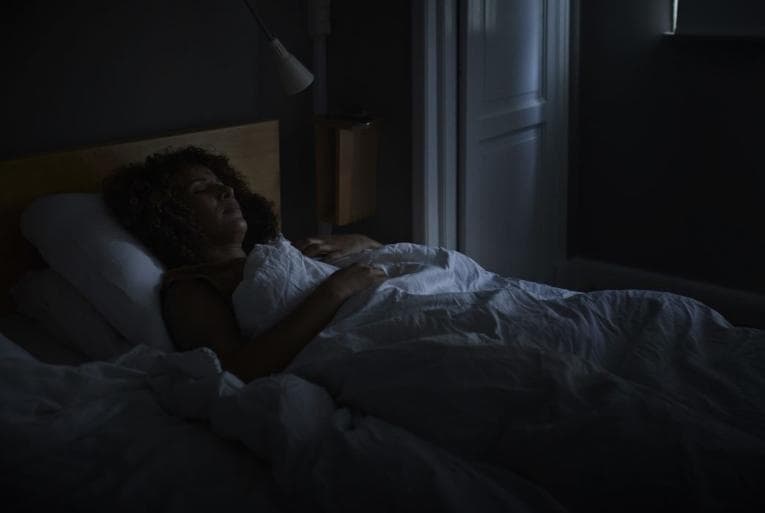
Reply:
x=226, y=191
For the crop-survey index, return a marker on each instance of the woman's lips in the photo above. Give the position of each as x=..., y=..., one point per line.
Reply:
x=232, y=209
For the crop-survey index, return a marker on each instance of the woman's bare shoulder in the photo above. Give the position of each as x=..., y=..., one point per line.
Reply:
x=222, y=276
x=197, y=315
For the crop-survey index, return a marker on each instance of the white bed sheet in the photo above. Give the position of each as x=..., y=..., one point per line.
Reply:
x=613, y=400
x=445, y=389
x=95, y=438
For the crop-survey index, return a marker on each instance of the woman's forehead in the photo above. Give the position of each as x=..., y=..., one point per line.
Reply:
x=194, y=172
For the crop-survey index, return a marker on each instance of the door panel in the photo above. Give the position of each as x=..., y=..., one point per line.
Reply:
x=513, y=37
x=511, y=195
x=511, y=192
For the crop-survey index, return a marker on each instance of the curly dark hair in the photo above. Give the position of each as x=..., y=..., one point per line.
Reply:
x=143, y=199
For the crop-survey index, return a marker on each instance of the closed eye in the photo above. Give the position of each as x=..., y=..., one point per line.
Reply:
x=203, y=186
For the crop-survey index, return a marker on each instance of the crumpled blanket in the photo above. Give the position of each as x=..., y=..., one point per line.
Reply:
x=95, y=438
x=110, y=435
x=332, y=457
x=446, y=388
x=625, y=400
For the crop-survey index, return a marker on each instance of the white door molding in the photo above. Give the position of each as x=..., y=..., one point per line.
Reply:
x=434, y=122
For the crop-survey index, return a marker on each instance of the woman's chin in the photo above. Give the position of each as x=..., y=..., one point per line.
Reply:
x=241, y=228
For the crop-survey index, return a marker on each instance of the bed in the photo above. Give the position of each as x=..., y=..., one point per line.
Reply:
x=140, y=462
x=445, y=388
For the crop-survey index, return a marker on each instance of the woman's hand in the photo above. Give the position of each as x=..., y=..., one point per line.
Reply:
x=333, y=247
x=344, y=283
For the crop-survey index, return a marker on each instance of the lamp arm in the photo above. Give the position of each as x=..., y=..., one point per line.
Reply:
x=257, y=18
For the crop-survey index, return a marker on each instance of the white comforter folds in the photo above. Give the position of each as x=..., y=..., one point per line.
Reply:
x=613, y=400
x=447, y=388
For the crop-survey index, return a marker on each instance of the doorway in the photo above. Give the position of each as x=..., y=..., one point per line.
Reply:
x=490, y=102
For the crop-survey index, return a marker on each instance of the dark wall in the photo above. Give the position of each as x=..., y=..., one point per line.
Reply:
x=669, y=168
x=369, y=68
x=87, y=72
x=745, y=17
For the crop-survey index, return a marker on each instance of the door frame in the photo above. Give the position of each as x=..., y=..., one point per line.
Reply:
x=435, y=103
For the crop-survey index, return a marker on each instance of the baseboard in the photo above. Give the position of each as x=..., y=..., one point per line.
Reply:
x=740, y=307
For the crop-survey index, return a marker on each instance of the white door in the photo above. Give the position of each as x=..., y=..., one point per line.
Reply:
x=513, y=153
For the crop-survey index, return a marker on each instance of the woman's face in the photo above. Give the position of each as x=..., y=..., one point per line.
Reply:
x=214, y=205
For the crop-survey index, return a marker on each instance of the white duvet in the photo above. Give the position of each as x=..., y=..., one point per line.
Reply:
x=447, y=388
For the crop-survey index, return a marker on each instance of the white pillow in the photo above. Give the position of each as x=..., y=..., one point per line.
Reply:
x=81, y=241
x=60, y=309
x=275, y=280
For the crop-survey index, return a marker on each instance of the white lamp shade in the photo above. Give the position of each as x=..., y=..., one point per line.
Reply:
x=295, y=77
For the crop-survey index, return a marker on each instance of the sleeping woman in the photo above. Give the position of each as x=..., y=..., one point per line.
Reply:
x=196, y=214
x=629, y=400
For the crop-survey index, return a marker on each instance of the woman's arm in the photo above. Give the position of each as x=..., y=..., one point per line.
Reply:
x=197, y=316
x=333, y=247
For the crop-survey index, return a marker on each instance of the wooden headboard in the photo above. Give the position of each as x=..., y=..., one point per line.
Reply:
x=253, y=149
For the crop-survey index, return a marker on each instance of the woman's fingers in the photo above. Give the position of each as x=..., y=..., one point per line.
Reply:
x=371, y=273
x=334, y=246
x=316, y=250
x=378, y=276
x=316, y=247
x=304, y=243
x=335, y=255
x=332, y=242
x=325, y=250
x=348, y=281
